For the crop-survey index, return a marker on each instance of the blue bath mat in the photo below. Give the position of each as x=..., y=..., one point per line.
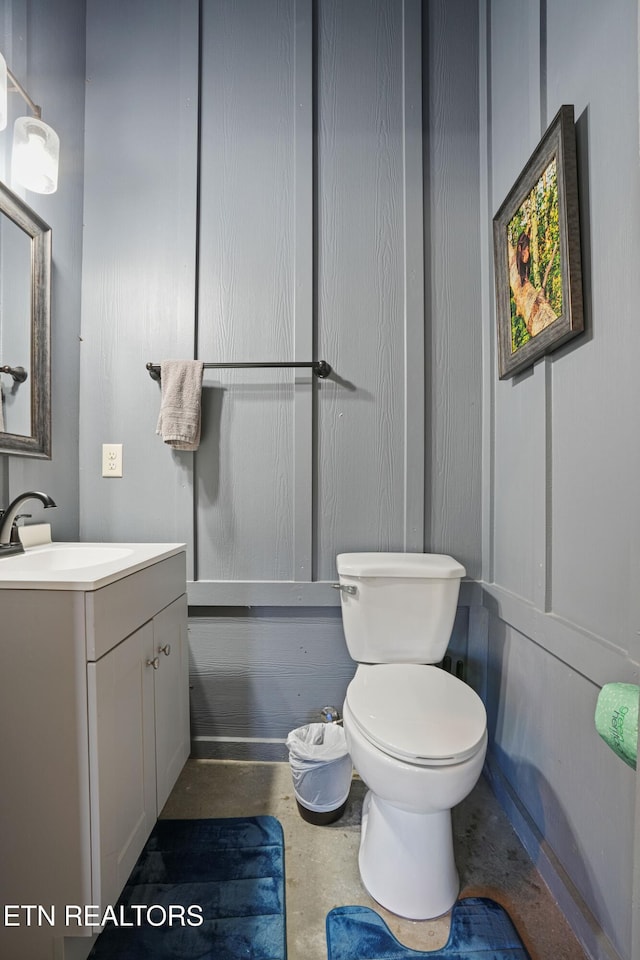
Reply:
x=480, y=930
x=229, y=873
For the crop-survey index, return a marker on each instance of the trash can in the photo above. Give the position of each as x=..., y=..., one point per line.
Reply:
x=321, y=771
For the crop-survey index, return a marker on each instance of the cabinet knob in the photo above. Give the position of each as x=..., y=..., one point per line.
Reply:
x=155, y=663
x=166, y=649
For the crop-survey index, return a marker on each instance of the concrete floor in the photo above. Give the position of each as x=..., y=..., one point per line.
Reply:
x=321, y=863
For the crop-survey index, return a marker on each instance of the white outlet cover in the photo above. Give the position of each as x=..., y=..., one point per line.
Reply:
x=111, y=459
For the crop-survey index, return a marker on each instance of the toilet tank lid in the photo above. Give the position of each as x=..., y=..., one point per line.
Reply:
x=435, y=566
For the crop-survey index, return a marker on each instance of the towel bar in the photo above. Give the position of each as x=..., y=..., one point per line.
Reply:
x=19, y=374
x=320, y=367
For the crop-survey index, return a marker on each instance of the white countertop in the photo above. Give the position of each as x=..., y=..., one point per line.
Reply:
x=79, y=566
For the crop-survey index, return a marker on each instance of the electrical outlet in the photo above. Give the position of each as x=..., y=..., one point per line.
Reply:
x=111, y=459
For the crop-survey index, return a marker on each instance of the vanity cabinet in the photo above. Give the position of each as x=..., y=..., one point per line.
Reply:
x=94, y=713
x=138, y=729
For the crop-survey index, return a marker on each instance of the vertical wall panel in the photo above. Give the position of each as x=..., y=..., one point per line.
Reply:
x=360, y=279
x=257, y=292
x=246, y=289
x=415, y=416
x=139, y=260
x=454, y=335
x=519, y=436
x=596, y=465
x=304, y=340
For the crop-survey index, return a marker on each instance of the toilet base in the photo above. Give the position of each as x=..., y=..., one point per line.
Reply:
x=406, y=859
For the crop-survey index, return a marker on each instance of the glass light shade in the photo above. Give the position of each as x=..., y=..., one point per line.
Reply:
x=35, y=155
x=3, y=92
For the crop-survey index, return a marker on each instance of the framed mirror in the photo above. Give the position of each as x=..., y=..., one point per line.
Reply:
x=25, y=329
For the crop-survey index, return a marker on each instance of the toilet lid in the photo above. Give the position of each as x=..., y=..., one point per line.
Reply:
x=417, y=713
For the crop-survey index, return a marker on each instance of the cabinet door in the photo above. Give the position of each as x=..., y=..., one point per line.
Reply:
x=173, y=739
x=122, y=760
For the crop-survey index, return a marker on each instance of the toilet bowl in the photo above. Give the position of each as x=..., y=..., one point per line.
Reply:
x=416, y=734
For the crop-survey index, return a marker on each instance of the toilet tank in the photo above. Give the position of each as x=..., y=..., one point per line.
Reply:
x=398, y=607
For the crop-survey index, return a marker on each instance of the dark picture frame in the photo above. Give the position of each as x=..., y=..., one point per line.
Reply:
x=536, y=237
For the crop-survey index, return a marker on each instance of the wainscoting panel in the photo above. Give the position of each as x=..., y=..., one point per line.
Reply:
x=257, y=674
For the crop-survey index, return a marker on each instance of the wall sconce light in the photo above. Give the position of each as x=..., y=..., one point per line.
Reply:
x=36, y=146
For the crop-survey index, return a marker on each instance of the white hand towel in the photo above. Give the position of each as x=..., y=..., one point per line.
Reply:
x=180, y=408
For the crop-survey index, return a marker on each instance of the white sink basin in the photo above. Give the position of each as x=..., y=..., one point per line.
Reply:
x=79, y=566
x=67, y=556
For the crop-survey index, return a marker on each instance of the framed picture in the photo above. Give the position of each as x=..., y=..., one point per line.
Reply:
x=536, y=237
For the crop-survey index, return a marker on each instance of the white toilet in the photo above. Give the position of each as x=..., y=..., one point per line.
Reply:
x=417, y=735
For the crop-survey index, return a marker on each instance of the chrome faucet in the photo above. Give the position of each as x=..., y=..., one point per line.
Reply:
x=8, y=518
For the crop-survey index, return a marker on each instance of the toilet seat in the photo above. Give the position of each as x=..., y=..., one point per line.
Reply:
x=417, y=713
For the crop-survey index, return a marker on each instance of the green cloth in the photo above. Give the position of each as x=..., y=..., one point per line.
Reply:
x=617, y=719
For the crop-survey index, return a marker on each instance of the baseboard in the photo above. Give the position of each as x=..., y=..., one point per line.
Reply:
x=74, y=948
x=238, y=748
x=579, y=917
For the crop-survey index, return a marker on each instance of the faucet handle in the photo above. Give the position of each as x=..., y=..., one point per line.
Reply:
x=10, y=513
x=15, y=536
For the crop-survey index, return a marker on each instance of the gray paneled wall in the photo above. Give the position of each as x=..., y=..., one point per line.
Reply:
x=295, y=227
x=306, y=145
x=257, y=674
x=244, y=470
x=562, y=471
x=453, y=474
x=363, y=307
x=273, y=212
x=261, y=200
x=139, y=260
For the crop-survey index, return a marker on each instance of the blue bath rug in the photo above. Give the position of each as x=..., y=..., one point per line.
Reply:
x=480, y=930
x=228, y=872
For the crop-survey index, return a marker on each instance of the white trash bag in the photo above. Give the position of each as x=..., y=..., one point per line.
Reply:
x=320, y=767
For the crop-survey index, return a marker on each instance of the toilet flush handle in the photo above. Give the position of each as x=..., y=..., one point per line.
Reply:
x=347, y=588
